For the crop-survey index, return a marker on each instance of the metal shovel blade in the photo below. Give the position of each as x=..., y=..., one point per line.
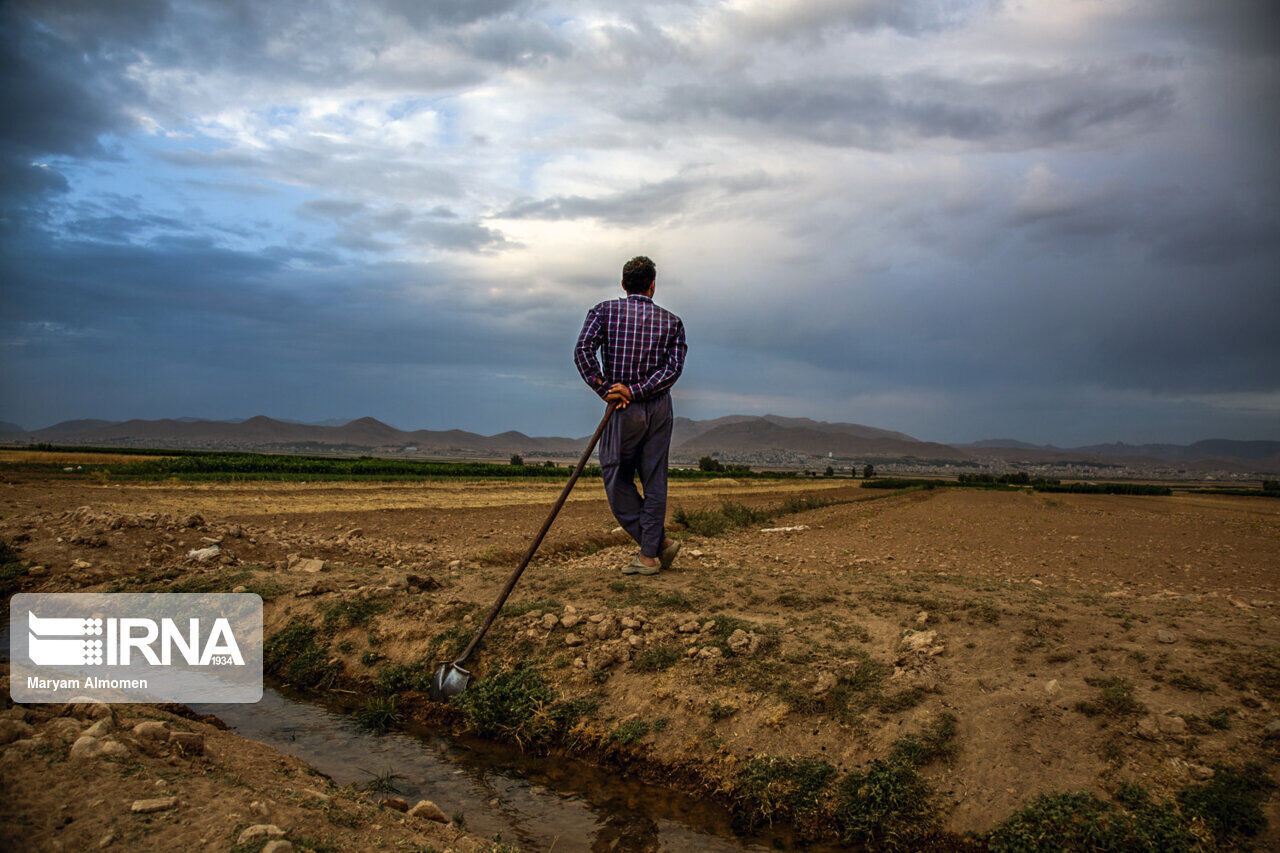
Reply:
x=450, y=680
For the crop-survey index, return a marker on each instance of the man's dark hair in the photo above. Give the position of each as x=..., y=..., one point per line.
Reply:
x=637, y=274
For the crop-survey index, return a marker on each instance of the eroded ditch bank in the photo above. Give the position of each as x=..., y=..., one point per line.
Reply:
x=494, y=790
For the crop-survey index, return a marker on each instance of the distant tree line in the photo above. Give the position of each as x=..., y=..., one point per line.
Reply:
x=1021, y=478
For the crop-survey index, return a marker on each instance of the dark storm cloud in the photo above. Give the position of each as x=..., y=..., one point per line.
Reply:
x=58, y=101
x=1175, y=225
x=1028, y=109
x=984, y=228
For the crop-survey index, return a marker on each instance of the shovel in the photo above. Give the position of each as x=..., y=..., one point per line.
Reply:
x=452, y=678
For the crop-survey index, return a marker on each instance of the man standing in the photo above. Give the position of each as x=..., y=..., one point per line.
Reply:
x=643, y=348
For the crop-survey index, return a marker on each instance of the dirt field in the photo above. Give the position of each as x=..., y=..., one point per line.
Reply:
x=1025, y=643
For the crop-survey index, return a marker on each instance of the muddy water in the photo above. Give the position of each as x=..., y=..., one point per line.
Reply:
x=537, y=803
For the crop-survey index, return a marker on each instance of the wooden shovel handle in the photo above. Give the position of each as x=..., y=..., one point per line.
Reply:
x=537, y=540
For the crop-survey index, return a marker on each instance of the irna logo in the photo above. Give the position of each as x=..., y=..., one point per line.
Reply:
x=135, y=647
x=63, y=641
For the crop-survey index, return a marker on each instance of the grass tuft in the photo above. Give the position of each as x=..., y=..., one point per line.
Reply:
x=380, y=714
x=296, y=654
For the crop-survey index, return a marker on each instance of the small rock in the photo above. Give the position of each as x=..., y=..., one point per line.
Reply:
x=187, y=743
x=1201, y=772
x=107, y=840
x=1273, y=728
x=688, y=628
x=86, y=746
x=192, y=520
x=826, y=681
x=922, y=617
x=353, y=533
x=549, y=621
x=151, y=730
x=739, y=641
x=259, y=830
x=1163, y=636
x=635, y=641
x=63, y=729
x=711, y=653
x=569, y=620
x=428, y=810
x=695, y=553
x=922, y=642
x=312, y=564
x=318, y=795
x=692, y=652
x=708, y=626
x=633, y=624
x=424, y=583
x=397, y=803
x=1052, y=687
x=1171, y=725
x=455, y=564
x=573, y=640
x=37, y=571
x=114, y=748
x=579, y=663
x=259, y=808
x=160, y=804
x=279, y=845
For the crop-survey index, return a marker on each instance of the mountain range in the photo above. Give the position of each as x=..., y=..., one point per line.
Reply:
x=755, y=439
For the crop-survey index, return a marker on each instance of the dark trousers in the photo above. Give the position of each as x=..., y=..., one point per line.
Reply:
x=636, y=441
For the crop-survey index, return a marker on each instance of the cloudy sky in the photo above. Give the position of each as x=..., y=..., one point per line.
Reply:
x=1056, y=220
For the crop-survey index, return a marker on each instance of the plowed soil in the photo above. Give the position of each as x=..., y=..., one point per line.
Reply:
x=1011, y=610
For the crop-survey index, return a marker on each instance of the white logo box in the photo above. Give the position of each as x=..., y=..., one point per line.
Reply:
x=135, y=647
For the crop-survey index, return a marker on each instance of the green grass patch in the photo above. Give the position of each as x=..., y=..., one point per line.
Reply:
x=713, y=522
x=887, y=805
x=629, y=732
x=520, y=705
x=936, y=743
x=1082, y=822
x=792, y=788
x=380, y=714
x=1230, y=803
x=1105, y=488
x=546, y=605
x=1190, y=683
x=1115, y=698
x=297, y=655
x=350, y=613
x=657, y=658
x=11, y=571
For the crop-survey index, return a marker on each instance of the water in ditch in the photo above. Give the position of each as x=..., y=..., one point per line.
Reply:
x=535, y=802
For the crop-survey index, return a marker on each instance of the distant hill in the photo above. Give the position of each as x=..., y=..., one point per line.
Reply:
x=754, y=439
x=269, y=434
x=742, y=436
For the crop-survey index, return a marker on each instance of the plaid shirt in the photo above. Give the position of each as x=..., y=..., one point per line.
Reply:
x=643, y=346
